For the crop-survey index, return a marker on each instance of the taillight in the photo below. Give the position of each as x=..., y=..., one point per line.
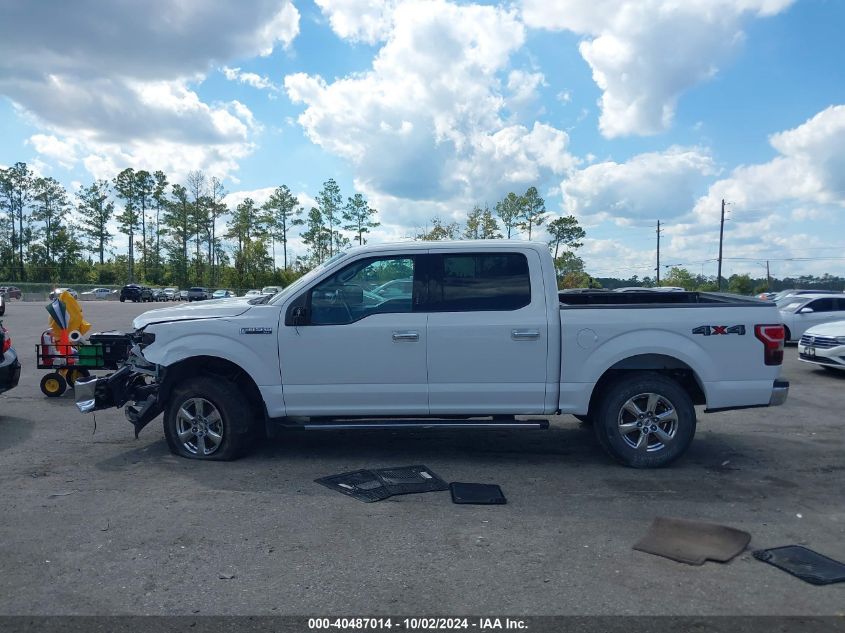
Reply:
x=773, y=337
x=7, y=342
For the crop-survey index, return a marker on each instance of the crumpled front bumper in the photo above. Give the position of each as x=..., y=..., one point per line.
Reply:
x=118, y=389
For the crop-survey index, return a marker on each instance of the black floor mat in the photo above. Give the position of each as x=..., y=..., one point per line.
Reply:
x=375, y=485
x=804, y=563
x=478, y=494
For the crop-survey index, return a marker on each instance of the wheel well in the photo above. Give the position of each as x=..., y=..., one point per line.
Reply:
x=215, y=366
x=662, y=364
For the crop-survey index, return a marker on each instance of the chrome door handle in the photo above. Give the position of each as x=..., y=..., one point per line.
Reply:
x=525, y=335
x=406, y=335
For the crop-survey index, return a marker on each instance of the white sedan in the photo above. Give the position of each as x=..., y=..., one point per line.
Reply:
x=824, y=345
x=96, y=293
x=801, y=312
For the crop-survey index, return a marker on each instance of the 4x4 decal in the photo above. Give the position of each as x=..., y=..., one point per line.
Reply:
x=710, y=330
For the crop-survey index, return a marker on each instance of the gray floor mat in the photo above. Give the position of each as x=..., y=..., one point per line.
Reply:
x=381, y=483
x=803, y=563
x=692, y=542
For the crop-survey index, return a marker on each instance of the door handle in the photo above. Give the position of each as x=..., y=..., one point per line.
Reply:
x=406, y=335
x=525, y=335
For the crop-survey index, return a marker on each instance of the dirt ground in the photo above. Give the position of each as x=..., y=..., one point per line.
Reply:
x=97, y=522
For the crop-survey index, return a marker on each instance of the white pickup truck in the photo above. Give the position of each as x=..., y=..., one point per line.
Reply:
x=445, y=334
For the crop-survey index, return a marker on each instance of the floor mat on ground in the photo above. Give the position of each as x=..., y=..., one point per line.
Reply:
x=479, y=494
x=804, y=563
x=378, y=484
x=692, y=542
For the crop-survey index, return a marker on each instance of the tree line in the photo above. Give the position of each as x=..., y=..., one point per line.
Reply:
x=171, y=229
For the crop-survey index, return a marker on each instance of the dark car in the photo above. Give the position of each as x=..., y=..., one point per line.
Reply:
x=198, y=294
x=11, y=292
x=10, y=367
x=2, y=304
x=136, y=293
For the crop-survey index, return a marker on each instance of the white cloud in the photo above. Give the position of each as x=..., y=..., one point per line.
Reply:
x=123, y=92
x=425, y=123
x=651, y=186
x=61, y=151
x=368, y=21
x=645, y=53
x=259, y=82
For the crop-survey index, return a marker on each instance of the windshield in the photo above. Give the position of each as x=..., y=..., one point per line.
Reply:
x=305, y=279
x=790, y=304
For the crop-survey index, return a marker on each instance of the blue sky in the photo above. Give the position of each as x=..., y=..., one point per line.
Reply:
x=621, y=112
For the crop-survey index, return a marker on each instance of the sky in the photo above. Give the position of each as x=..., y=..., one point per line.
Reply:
x=620, y=112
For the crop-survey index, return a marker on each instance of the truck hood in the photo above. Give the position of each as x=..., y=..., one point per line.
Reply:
x=212, y=309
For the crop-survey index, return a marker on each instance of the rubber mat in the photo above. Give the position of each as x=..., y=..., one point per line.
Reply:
x=692, y=542
x=479, y=494
x=375, y=485
x=804, y=563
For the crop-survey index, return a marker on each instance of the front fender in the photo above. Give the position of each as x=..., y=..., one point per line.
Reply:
x=254, y=355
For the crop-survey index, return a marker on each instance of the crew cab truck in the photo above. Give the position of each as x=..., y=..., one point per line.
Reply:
x=480, y=336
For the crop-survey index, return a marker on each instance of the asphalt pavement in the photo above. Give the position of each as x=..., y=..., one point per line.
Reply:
x=97, y=522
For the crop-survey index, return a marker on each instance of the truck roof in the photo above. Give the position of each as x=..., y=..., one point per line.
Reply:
x=465, y=245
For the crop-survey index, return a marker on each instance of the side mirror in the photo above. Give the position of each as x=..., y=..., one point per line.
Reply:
x=806, y=310
x=299, y=315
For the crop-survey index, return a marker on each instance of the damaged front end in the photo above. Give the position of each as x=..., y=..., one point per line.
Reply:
x=137, y=381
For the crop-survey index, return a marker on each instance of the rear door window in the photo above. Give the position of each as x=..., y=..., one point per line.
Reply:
x=478, y=282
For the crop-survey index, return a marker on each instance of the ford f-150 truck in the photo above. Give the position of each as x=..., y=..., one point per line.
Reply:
x=479, y=336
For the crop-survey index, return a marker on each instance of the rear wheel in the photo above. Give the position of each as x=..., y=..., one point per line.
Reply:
x=208, y=418
x=53, y=385
x=645, y=420
x=75, y=374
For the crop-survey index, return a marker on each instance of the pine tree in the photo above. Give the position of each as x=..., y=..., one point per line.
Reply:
x=489, y=227
x=51, y=205
x=510, y=210
x=283, y=213
x=128, y=220
x=359, y=217
x=533, y=211
x=565, y=232
x=95, y=210
x=144, y=188
x=329, y=202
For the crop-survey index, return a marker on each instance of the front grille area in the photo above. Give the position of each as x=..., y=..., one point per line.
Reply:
x=821, y=360
x=822, y=342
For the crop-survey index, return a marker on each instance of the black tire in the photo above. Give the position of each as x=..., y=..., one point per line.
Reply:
x=123, y=299
x=234, y=413
x=53, y=385
x=671, y=402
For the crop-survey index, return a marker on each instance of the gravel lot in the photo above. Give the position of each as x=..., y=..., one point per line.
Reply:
x=96, y=522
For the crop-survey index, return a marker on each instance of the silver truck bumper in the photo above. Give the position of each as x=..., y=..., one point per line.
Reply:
x=780, y=390
x=84, y=391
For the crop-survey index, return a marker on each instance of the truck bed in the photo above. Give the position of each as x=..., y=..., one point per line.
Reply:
x=649, y=298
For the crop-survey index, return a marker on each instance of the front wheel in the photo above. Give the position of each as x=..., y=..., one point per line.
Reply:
x=207, y=418
x=645, y=420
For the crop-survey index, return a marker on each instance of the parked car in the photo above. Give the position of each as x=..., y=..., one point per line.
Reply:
x=58, y=291
x=800, y=312
x=158, y=294
x=198, y=294
x=271, y=290
x=97, y=293
x=436, y=357
x=10, y=367
x=824, y=345
x=135, y=293
x=11, y=292
x=223, y=294
x=182, y=295
x=2, y=304
x=251, y=294
x=172, y=294
x=783, y=294
x=395, y=288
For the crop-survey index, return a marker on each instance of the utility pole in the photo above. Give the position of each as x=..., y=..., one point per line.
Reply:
x=768, y=277
x=658, y=253
x=721, y=238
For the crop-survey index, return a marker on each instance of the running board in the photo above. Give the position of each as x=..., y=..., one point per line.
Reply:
x=426, y=424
